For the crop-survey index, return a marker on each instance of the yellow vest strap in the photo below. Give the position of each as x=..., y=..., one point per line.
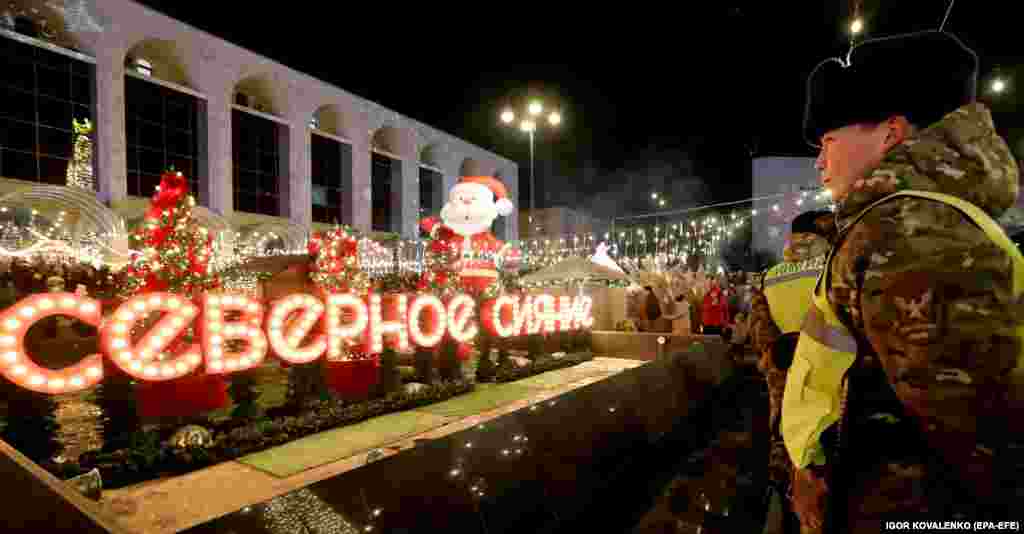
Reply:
x=790, y=277
x=834, y=337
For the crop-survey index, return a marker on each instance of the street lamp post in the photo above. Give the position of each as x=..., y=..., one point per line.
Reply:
x=529, y=126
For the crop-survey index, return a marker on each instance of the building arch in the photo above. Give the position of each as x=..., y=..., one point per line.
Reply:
x=390, y=139
x=332, y=119
x=433, y=155
x=63, y=26
x=260, y=92
x=165, y=61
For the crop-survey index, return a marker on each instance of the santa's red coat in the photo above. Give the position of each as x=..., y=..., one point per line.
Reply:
x=478, y=253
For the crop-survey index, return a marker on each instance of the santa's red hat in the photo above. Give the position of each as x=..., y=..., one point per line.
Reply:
x=504, y=205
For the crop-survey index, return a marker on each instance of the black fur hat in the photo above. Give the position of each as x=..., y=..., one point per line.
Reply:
x=922, y=76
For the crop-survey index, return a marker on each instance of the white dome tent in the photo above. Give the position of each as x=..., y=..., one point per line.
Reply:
x=62, y=220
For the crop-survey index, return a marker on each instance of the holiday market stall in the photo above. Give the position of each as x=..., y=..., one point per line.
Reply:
x=576, y=276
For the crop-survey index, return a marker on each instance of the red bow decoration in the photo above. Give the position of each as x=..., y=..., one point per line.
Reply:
x=173, y=187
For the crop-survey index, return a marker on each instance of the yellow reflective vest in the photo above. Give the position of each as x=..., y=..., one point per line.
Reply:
x=813, y=396
x=788, y=287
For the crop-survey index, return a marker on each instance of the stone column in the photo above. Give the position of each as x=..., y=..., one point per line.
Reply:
x=451, y=177
x=357, y=208
x=216, y=160
x=297, y=187
x=406, y=197
x=111, y=147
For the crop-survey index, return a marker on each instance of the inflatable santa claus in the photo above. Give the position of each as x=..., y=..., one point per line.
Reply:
x=465, y=229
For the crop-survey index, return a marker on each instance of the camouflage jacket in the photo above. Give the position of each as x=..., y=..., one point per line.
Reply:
x=764, y=332
x=928, y=296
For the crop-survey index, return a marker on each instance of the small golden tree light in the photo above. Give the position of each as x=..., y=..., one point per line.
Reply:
x=998, y=85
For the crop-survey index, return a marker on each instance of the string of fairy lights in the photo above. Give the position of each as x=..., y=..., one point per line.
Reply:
x=661, y=238
x=677, y=236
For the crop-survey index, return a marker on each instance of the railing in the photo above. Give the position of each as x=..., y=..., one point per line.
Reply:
x=35, y=501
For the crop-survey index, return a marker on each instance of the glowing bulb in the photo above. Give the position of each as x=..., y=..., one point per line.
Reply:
x=536, y=108
x=856, y=26
x=998, y=85
x=527, y=126
x=508, y=116
x=554, y=119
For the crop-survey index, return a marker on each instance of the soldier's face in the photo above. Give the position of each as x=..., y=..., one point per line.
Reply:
x=849, y=154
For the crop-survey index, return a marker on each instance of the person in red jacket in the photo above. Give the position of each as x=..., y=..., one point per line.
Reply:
x=715, y=312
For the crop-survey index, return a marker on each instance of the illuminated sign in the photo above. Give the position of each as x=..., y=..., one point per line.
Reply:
x=234, y=333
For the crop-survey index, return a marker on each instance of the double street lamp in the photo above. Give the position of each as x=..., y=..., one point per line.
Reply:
x=529, y=125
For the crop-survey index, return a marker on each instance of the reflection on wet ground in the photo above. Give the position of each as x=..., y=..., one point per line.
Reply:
x=595, y=459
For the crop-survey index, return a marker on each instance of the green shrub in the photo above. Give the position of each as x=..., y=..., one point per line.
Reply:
x=534, y=346
x=244, y=394
x=388, y=378
x=485, y=366
x=423, y=361
x=503, y=355
x=449, y=367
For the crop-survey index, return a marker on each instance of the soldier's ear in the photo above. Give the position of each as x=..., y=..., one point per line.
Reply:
x=897, y=129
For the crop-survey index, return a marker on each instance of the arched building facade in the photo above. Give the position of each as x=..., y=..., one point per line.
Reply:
x=259, y=141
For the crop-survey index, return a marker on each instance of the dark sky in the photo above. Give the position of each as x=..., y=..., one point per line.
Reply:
x=693, y=81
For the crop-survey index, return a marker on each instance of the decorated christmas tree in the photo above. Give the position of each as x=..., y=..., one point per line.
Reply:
x=80, y=168
x=174, y=257
x=175, y=250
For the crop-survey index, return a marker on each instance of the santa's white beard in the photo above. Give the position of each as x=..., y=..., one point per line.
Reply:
x=467, y=220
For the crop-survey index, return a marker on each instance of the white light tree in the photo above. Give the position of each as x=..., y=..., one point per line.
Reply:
x=80, y=167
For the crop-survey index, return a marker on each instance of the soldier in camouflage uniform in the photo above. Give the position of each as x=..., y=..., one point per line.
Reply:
x=924, y=290
x=803, y=255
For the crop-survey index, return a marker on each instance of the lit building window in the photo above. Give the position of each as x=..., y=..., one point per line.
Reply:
x=256, y=164
x=384, y=172
x=161, y=131
x=431, y=183
x=331, y=168
x=41, y=93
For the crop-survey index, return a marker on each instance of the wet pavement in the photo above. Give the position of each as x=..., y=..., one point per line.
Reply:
x=600, y=459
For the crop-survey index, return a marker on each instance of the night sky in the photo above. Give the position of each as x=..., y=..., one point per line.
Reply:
x=673, y=99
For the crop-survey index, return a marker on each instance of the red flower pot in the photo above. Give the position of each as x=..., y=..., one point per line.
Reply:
x=352, y=380
x=182, y=397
